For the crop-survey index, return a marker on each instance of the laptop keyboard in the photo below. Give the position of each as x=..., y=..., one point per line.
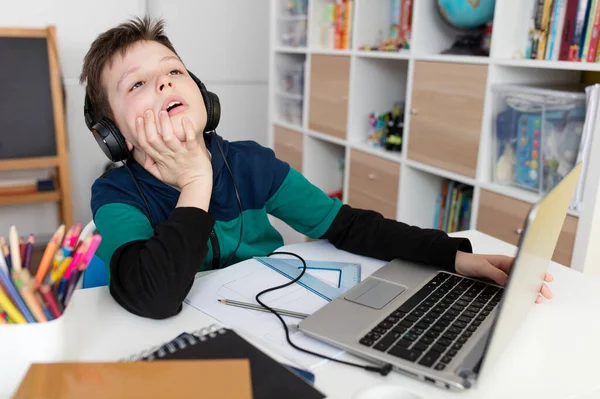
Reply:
x=434, y=324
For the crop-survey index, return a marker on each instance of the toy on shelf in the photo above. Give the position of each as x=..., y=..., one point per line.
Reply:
x=537, y=136
x=386, y=129
x=399, y=33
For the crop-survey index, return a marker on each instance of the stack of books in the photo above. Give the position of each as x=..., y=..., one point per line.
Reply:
x=564, y=30
x=336, y=29
x=453, y=207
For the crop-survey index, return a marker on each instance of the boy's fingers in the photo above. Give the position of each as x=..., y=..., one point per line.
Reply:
x=538, y=299
x=168, y=135
x=495, y=274
x=190, y=134
x=545, y=291
x=141, y=138
x=152, y=137
x=548, y=277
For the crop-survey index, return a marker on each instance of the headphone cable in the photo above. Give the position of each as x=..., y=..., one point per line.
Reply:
x=383, y=370
x=239, y=201
x=140, y=191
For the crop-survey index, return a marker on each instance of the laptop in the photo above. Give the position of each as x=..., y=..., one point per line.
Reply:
x=440, y=327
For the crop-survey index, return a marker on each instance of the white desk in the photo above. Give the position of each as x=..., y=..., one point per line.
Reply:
x=556, y=354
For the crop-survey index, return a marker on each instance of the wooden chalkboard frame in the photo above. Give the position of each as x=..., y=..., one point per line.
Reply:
x=62, y=193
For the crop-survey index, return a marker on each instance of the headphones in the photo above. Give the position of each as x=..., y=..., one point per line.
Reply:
x=111, y=140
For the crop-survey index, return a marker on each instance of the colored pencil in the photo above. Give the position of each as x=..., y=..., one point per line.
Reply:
x=15, y=250
x=14, y=314
x=49, y=254
x=28, y=251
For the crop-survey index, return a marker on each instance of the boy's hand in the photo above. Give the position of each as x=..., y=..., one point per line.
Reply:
x=169, y=159
x=493, y=267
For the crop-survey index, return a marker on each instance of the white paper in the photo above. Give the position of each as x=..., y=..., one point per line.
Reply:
x=331, y=277
x=242, y=282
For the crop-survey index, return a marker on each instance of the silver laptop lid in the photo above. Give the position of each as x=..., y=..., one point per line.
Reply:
x=536, y=247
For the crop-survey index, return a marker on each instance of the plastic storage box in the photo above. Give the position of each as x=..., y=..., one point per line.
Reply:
x=291, y=78
x=293, y=22
x=290, y=110
x=293, y=32
x=536, y=135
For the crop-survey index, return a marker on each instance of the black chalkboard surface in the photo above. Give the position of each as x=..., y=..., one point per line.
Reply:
x=26, y=113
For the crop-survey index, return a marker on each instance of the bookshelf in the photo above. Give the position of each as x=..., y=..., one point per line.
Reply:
x=448, y=119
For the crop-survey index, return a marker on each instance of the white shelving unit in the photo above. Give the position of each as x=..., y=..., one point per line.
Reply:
x=377, y=79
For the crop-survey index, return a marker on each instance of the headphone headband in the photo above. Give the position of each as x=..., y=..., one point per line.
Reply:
x=111, y=140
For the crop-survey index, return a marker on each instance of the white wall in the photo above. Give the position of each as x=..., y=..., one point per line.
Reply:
x=212, y=37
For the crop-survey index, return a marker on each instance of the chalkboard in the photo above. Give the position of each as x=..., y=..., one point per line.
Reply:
x=26, y=112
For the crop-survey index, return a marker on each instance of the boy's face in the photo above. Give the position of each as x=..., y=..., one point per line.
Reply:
x=151, y=77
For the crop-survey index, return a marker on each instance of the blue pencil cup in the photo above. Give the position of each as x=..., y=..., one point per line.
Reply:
x=95, y=274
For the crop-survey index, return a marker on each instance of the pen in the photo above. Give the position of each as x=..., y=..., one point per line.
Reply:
x=251, y=306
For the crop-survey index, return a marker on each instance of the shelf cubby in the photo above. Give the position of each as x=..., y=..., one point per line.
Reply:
x=323, y=164
x=377, y=84
x=425, y=197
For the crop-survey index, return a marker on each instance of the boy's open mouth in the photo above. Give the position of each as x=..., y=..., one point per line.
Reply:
x=173, y=105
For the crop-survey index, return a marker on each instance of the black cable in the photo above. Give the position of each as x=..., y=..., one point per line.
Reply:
x=237, y=194
x=383, y=370
x=141, y=193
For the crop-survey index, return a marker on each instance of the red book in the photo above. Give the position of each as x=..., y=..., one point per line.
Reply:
x=591, y=55
x=568, y=29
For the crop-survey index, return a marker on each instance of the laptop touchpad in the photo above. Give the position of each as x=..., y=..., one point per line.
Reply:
x=374, y=293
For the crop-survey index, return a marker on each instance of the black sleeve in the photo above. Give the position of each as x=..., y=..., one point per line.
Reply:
x=152, y=277
x=368, y=233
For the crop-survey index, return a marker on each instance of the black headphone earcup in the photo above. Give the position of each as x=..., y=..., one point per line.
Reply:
x=111, y=140
x=213, y=111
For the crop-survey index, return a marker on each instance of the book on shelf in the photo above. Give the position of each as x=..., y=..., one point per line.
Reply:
x=453, y=206
x=564, y=30
x=336, y=26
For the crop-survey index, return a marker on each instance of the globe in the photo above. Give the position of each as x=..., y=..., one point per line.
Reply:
x=466, y=14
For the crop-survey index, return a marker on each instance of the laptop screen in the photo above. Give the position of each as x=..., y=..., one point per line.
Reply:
x=536, y=247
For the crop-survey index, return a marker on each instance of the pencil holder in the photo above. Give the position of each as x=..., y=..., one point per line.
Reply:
x=24, y=344
x=32, y=293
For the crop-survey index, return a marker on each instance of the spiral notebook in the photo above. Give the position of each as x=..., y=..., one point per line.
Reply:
x=270, y=379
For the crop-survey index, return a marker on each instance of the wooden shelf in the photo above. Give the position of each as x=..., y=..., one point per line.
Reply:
x=29, y=163
x=44, y=196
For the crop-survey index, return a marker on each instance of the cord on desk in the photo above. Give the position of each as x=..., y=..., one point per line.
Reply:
x=384, y=370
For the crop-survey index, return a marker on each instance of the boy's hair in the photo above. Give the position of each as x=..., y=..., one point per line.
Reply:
x=116, y=40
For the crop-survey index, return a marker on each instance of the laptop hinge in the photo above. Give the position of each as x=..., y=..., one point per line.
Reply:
x=469, y=369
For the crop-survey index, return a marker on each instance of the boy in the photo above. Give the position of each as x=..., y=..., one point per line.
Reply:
x=189, y=217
